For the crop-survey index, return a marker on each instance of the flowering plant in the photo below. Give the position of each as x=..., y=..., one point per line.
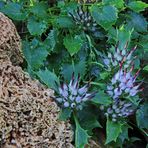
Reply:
x=91, y=39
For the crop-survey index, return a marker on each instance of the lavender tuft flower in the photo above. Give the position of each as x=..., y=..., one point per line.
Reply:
x=119, y=57
x=72, y=96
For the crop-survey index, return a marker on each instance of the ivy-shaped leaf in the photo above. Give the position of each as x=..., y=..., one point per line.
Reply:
x=49, y=78
x=40, y=10
x=14, y=11
x=77, y=68
x=34, y=54
x=36, y=27
x=105, y=16
x=73, y=44
x=81, y=136
x=113, y=130
x=116, y=3
x=137, y=6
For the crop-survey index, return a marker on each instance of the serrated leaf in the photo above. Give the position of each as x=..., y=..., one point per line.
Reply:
x=101, y=98
x=138, y=22
x=73, y=44
x=36, y=27
x=14, y=11
x=145, y=68
x=65, y=113
x=116, y=3
x=49, y=78
x=64, y=22
x=34, y=54
x=137, y=6
x=77, y=68
x=113, y=130
x=81, y=136
x=142, y=116
x=88, y=119
x=51, y=40
x=39, y=10
x=105, y=16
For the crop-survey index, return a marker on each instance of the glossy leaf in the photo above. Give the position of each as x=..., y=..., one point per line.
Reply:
x=116, y=3
x=113, y=130
x=105, y=16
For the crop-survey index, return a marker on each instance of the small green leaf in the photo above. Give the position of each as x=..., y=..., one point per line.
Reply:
x=73, y=44
x=14, y=11
x=77, y=68
x=145, y=68
x=40, y=10
x=36, y=27
x=102, y=98
x=142, y=116
x=137, y=6
x=105, y=16
x=64, y=22
x=116, y=3
x=138, y=22
x=65, y=113
x=49, y=78
x=104, y=75
x=34, y=54
x=113, y=130
x=81, y=136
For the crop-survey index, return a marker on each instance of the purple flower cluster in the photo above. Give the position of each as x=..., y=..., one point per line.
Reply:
x=72, y=96
x=118, y=110
x=83, y=18
x=123, y=82
x=119, y=57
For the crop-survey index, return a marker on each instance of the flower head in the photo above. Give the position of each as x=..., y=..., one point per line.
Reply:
x=119, y=57
x=73, y=96
x=118, y=110
x=123, y=82
x=84, y=19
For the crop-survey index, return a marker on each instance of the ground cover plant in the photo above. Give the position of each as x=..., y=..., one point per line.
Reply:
x=93, y=53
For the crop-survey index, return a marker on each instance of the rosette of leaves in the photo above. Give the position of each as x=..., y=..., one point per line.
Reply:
x=83, y=19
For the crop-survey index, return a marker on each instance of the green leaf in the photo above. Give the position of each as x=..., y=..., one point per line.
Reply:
x=137, y=6
x=14, y=11
x=145, y=68
x=101, y=98
x=65, y=113
x=51, y=40
x=64, y=22
x=77, y=68
x=34, y=54
x=123, y=36
x=36, y=27
x=40, y=10
x=104, y=75
x=116, y=3
x=105, y=16
x=49, y=78
x=138, y=22
x=73, y=44
x=81, y=136
x=142, y=116
x=113, y=130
